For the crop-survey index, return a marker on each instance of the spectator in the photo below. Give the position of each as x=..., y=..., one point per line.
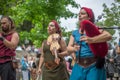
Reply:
x=25, y=68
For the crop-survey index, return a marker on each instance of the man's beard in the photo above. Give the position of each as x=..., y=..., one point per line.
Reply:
x=6, y=30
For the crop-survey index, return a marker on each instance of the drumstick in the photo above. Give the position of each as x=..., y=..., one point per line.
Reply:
x=55, y=51
x=56, y=56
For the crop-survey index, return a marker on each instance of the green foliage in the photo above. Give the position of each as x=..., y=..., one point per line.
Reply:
x=39, y=13
x=5, y=6
x=112, y=15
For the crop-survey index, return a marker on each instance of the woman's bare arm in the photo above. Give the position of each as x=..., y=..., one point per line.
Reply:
x=103, y=37
x=71, y=46
x=63, y=48
x=41, y=60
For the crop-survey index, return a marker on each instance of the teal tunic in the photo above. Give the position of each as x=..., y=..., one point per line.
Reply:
x=90, y=72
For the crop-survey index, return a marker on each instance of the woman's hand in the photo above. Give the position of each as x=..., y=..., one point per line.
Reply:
x=86, y=39
x=57, y=61
x=76, y=47
x=39, y=71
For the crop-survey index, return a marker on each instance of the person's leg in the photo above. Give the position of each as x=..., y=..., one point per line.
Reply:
x=117, y=78
x=96, y=74
x=111, y=76
x=25, y=75
x=8, y=73
x=29, y=75
x=77, y=73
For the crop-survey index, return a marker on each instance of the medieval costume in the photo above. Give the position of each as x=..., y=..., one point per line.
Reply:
x=89, y=61
x=54, y=66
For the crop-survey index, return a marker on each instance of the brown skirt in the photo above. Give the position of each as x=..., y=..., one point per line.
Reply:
x=57, y=73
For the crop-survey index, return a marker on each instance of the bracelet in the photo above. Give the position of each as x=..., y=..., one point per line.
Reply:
x=2, y=38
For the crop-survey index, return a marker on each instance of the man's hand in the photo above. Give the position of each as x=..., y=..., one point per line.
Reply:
x=2, y=38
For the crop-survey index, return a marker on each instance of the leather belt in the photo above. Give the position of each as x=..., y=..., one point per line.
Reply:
x=50, y=65
x=85, y=62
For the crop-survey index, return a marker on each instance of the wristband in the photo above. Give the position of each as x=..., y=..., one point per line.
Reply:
x=2, y=38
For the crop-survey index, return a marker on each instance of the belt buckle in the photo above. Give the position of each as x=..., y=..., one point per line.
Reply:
x=85, y=61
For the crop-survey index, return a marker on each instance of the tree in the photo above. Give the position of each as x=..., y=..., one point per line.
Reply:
x=39, y=13
x=6, y=5
x=111, y=15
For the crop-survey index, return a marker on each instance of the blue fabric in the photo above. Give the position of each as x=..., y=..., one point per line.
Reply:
x=90, y=72
x=24, y=65
x=85, y=50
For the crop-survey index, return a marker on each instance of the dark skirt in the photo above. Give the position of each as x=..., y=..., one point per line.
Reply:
x=58, y=73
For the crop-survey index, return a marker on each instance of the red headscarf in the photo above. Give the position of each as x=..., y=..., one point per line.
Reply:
x=90, y=13
x=56, y=25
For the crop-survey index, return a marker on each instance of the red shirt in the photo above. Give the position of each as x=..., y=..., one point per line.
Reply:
x=5, y=51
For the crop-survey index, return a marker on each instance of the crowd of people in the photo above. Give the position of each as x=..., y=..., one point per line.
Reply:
x=113, y=62
x=91, y=56
x=27, y=69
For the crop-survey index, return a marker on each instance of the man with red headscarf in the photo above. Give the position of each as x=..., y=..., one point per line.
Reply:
x=87, y=63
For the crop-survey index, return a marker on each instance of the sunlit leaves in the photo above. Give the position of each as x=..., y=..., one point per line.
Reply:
x=112, y=15
x=38, y=13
